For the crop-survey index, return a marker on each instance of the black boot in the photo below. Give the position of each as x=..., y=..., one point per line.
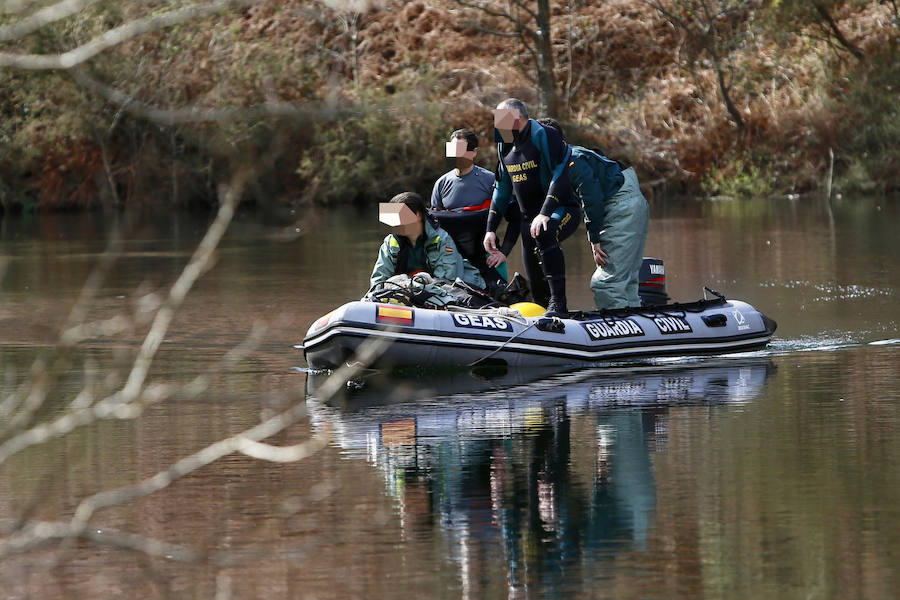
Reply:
x=557, y=305
x=555, y=273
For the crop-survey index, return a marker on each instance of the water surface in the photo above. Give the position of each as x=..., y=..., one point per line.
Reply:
x=767, y=474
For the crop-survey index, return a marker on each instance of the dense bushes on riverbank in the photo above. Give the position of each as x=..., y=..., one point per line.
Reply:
x=338, y=105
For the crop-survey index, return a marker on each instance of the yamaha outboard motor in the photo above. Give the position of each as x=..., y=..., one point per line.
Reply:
x=652, y=282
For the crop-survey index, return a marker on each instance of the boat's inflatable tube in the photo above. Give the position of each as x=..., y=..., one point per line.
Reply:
x=434, y=338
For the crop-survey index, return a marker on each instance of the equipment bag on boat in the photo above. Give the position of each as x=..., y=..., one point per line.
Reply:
x=423, y=291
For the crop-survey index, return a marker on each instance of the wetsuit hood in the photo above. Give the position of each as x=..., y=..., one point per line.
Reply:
x=518, y=134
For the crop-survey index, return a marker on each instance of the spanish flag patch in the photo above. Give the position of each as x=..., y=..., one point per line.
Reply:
x=323, y=321
x=448, y=248
x=393, y=315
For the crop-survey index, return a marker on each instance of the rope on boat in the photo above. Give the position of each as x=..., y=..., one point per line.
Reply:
x=515, y=316
x=675, y=309
x=504, y=312
x=503, y=345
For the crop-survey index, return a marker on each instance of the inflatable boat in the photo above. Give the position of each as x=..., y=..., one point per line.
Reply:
x=419, y=337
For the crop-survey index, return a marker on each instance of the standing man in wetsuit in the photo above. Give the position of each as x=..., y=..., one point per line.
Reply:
x=532, y=167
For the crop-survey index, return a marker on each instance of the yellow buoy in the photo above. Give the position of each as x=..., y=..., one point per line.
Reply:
x=529, y=309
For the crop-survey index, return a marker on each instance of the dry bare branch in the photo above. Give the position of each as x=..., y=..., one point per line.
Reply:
x=488, y=10
x=43, y=17
x=108, y=408
x=116, y=36
x=281, y=454
x=21, y=406
x=199, y=263
x=130, y=401
x=197, y=114
x=133, y=397
x=30, y=535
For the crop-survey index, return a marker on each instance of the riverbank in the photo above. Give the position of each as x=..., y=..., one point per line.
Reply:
x=330, y=105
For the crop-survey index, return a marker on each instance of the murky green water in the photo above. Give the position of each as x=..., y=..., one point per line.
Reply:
x=774, y=474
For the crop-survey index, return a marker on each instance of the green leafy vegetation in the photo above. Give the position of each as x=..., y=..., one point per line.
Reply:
x=375, y=151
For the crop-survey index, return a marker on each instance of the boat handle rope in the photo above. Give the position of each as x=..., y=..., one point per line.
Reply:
x=504, y=312
x=502, y=346
x=718, y=295
x=649, y=312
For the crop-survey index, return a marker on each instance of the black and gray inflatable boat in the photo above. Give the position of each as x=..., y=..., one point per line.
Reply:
x=418, y=337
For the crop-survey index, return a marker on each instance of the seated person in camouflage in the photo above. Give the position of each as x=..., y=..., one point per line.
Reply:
x=418, y=244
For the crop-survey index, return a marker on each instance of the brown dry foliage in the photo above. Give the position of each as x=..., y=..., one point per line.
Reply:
x=69, y=175
x=631, y=88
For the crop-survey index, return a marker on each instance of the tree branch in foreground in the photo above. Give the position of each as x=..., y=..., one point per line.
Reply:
x=19, y=410
x=30, y=535
x=111, y=38
x=136, y=394
x=42, y=17
x=198, y=114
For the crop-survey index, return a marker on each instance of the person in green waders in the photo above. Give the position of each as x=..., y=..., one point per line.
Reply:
x=617, y=219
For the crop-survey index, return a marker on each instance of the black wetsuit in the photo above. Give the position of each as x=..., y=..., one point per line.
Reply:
x=534, y=169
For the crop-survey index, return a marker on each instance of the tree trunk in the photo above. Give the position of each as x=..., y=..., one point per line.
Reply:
x=732, y=109
x=710, y=44
x=547, y=101
x=836, y=32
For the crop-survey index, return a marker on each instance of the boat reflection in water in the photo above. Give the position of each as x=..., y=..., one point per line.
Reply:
x=545, y=476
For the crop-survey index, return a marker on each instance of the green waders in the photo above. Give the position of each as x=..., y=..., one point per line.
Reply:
x=625, y=225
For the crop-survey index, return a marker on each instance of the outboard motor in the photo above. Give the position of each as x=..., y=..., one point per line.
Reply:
x=652, y=282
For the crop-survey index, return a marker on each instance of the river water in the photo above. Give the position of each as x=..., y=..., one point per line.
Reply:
x=773, y=474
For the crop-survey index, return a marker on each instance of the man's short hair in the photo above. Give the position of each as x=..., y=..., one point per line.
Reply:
x=468, y=135
x=412, y=200
x=516, y=104
x=551, y=122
